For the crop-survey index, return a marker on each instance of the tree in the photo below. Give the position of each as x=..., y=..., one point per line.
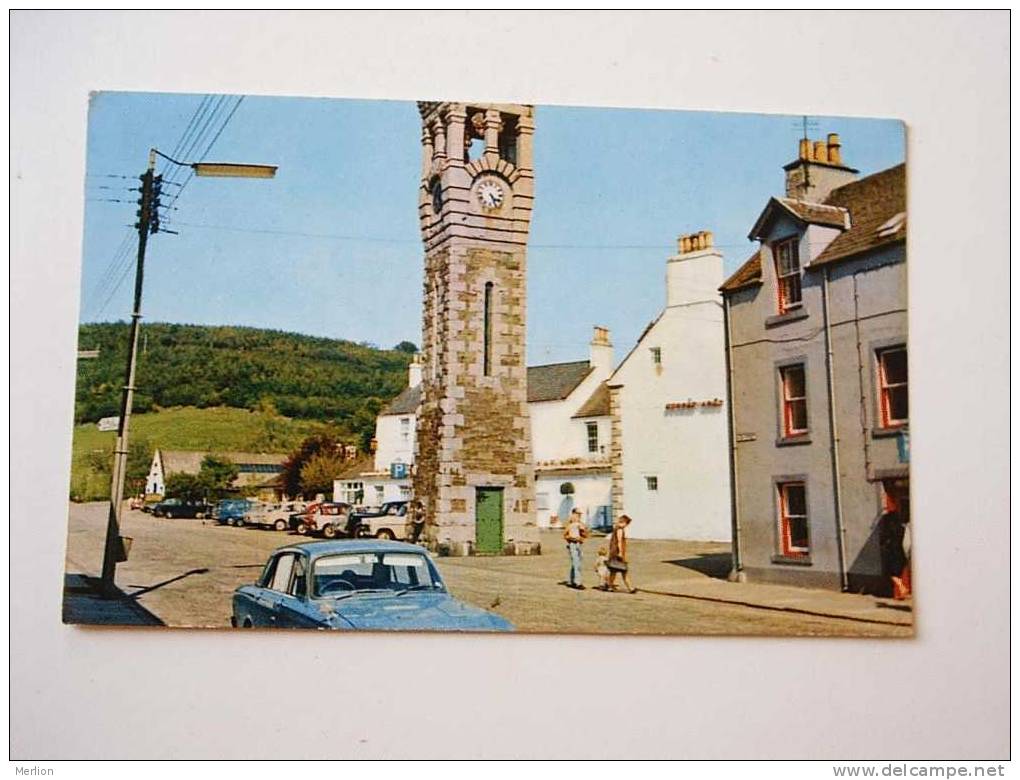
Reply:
x=212, y=482
x=406, y=346
x=187, y=487
x=327, y=443
x=218, y=475
x=319, y=471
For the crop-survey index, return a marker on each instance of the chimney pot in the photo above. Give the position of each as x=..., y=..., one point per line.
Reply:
x=685, y=244
x=709, y=239
x=805, y=149
x=834, y=152
x=821, y=151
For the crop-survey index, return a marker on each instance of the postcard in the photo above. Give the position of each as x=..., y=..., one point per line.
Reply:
x=486, y=367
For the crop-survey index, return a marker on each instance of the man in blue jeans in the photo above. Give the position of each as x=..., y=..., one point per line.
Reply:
x=574, y=534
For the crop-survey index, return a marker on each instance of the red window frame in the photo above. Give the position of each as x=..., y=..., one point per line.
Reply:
x=792, y=511
x=788, y=288
x=793, y=402
x=888, y=388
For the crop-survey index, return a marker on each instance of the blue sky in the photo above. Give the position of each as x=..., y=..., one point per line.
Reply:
x=331, y=246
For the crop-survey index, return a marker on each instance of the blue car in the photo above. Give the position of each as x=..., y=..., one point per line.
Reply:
x=356, y=584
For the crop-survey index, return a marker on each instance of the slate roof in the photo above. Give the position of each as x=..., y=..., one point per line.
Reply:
x=556, y=381
x=190, y=462
x=597, y=404
x=877, y=205
x=405, y=403
x=802, y=210
x=878, y=210
x=747, y=275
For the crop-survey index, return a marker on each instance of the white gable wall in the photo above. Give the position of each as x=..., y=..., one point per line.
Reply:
x=685, y=450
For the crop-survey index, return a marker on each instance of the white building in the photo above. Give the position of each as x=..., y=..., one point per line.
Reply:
x=256, y=471
x=670, y=459
x=390, y=476
x=570, y=449
x=570, y=436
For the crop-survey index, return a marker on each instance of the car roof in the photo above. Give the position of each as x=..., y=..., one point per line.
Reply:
x=318, y=549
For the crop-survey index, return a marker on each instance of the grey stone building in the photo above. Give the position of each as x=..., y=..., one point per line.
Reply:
x=816, y=326
x=473, y=466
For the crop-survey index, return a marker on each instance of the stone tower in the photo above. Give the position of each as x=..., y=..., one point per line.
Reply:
x=473, y=468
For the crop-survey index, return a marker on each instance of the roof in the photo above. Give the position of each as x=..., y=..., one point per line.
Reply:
x=190, y=462
x=556, y=381
x=637, y=344
x=597, y=404
x=877, y=207
x=405, y=403
x=748, y=275
x=316, y=549
x=878, y=214
x=356, y=467
x=801, y=210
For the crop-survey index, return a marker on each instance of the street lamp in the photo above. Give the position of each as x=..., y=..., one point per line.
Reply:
x=148, y=222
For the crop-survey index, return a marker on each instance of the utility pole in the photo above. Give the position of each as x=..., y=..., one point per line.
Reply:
x=148, y=221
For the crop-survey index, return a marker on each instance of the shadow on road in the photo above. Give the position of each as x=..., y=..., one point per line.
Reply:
x=83, y=604
x=143, y=589
x=716, y=565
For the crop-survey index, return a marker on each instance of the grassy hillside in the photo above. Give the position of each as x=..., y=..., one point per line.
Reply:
x=301, y=377
x=186, y=428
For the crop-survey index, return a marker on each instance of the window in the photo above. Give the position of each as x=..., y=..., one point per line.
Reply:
x=793, y=522
x=795, y=422
x=405, y=428
x=541, y=501
x=405, y=492
x=487, y=332
x=593, y=436
x=281, y=574
x=892, y=381
x=652, y=483
x=656, y=355
x=787, y=274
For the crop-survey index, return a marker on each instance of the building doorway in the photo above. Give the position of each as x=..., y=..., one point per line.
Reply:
x=488, y=520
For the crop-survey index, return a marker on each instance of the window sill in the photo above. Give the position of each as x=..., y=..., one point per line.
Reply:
x=790, y=560
x=799, y=313
x=793, y=441
x=885, y=433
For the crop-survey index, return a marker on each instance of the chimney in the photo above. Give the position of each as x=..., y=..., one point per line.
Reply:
x=696, y=272
x=818, y=170
x=600, y=349
x=414, y=372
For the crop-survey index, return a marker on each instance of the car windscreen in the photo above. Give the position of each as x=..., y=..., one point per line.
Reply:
x=351, y=573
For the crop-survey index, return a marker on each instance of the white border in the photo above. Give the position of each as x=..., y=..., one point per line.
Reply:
x=107, y=694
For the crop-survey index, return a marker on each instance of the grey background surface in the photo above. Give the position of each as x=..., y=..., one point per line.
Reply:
x=78, y=693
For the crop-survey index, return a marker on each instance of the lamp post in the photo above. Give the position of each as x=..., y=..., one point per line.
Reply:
x=148, y=223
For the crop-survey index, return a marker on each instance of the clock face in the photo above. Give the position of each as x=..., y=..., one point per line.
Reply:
x=490, y=194
x=437, y=197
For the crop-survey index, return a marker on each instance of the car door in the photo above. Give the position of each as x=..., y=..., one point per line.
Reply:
x=293, y=609
x=274, y=586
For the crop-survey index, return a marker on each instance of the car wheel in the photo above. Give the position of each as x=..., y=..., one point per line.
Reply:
x=247, y=623
x=302, y=529
x=385, y=533
x=329, y=531
x=280, y=525
x=200, y=515
x=239, y=522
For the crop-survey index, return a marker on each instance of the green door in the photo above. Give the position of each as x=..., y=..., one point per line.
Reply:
x=488, y=520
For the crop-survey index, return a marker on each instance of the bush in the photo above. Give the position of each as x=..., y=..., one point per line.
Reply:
x=567, y=488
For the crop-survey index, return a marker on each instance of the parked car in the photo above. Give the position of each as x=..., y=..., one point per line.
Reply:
x=273, y=516
x=332, y=521
x=384, y=522
x=231, y=511
x=356, y=584
x=175, y=507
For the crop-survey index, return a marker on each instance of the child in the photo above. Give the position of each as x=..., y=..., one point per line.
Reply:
x=602, y=569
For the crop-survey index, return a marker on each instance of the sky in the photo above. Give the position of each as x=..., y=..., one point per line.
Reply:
x=331, y=246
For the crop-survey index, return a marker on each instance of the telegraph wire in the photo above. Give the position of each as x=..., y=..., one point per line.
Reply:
x=187, y=132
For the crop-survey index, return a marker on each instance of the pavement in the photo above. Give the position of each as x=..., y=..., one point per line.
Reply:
x=183, y=572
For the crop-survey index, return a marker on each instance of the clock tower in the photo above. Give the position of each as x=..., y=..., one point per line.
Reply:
x=473, y=469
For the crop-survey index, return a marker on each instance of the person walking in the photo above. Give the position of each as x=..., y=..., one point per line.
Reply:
x=415, y=521
x=574, y=534
x=618, y=555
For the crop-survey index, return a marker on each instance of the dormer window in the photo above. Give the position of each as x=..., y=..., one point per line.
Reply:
x=787, y=274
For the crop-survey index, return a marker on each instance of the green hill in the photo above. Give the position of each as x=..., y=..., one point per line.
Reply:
x=226, y=388
x=206, y=366
x=216, y=430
